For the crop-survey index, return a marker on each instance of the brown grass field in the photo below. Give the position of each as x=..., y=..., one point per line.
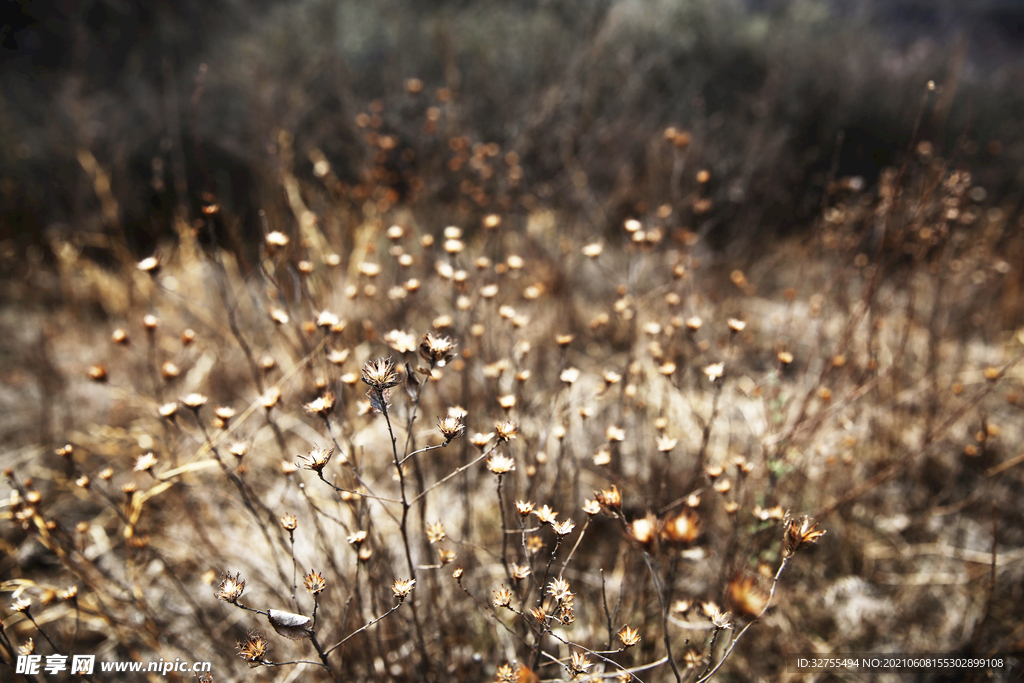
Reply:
x=439, y=413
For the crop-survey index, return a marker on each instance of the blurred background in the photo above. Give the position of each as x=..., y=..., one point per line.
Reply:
x=171, y=102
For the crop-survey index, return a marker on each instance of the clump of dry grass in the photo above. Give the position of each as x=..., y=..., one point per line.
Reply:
x=514, y=448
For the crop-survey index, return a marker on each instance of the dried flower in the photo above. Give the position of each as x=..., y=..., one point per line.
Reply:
x=480, y=440
x=629, y=636
x=436, y=350
x=520, y=571
x=578, y=664
x=451, y=427
x=327, y=319
x=799, y=533
x=145, y=463
x=569, y=375
x=507, y=673
x=591, y=507
x=524, y=508
x=380, y=374
x=194, y=401
x=320, y=406
x=98, y=373
x=666, y=444
x=502, y=598
x=402, y=587
x=683, y=528
x=314, y=582
x=715, y=371
x=288, y=522
x=559, y=589
x=609, y=498
x=21, y=605
x=224, y=412
x=719, y=618
x=231, y=587
x=500, y=464
x=546, y=515
x=357, y=538
x=168, y=410
x=563, y=528
x=316, y=459
x=505, y=430
x=748, y=594
x=254, y=648
x=435, y=532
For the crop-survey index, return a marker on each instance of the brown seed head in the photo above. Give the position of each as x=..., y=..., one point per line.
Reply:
x=799, y=533
x=380, y=374
x=629, y=636
x=231, y=588
x=436, y=350
x=254, y=648
x=316, y=459
x=402, y=587
x=502, y=598
x=451, y=427
x=315, y=583
x=505, y=430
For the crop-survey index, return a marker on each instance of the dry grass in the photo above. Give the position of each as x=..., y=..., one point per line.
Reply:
x=436, y=420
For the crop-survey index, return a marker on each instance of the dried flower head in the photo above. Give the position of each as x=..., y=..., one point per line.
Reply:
x=231, y=587
x=683, y=528
x=288, y=522
x=748, y=593
x=505, y=430
x=578, y=664
x=402, y=587
x=715, y=371
x=21, y=605
x=224, y=412
x=719, y=618
x=559, y=589
x=609, y=498
x=629, y=636
x=799, y=533
x=254, y=648
x=481, y=440
x=591, y=507
x=451, y=427
x=357, y=538
x=563, y=528
x=524, y=508
x=316, y=459
x=546, y=515
x=507, y=673
x=314, y=582
x=569, y=375
x=436, y=350
x=666, y=444
x=500, y=464
x=145, y=463
x=520, y=571
x=644, y=529
x=168, y=410
x=736, y=325
x=194, y=401
x=380, y=374
x=322, y=405
x=435, y=532
x=502, y=598
x=327, y=319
